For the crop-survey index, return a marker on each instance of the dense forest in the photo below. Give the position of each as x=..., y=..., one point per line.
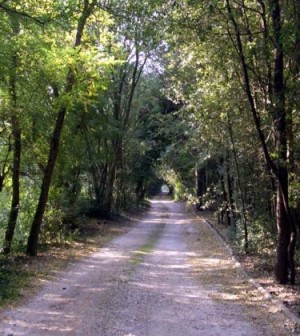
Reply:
x=102, y=100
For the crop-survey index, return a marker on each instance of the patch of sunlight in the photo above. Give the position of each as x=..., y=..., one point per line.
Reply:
x=179, y=255
x=182, y=221
x=161, y=201
x=156, y=212
x=152, y=221
x=54, y=297
x=93, y=290
x=165, y=189
x=106, y=253
x=149, y=286
x=215, y=262
x=41, y=326
x=226, y=296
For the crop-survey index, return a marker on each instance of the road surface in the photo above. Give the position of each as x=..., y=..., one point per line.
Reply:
x=169, y=275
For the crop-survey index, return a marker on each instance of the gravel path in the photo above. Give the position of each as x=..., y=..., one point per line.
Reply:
x=169, y=275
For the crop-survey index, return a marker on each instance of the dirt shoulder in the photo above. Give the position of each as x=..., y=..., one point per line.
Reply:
x=260, y=267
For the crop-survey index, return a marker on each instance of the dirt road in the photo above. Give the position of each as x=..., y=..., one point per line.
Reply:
x=169, y=275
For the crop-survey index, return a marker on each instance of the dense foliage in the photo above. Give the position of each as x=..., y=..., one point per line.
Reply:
x=237, y=72
x=100, y=101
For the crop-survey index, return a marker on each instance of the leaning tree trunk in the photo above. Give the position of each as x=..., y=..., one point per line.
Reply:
x=32, y=243
x=40, y=210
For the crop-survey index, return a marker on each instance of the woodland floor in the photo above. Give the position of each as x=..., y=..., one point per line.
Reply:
x=260, y=267
x=168, y=274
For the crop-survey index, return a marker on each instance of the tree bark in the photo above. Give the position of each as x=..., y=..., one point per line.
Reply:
x=108, y=195
x=32, y=243
x=286, y=229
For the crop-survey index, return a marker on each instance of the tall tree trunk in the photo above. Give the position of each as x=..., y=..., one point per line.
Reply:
x=108, y=194
x=16, y=132
x=286, y=232
x=297, y=38
x=294, y=104
x=239, y=184
x=14, y=211
x=286, y=229
x=32, y=243
x=111, y=177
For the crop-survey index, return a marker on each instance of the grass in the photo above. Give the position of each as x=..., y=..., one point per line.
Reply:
x=139, y=255
x=14, y=278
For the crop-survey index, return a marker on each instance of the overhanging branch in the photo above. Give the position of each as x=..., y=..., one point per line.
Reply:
x=21, y=14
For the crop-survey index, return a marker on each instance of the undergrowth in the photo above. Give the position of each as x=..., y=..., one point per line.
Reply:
x=14, y=277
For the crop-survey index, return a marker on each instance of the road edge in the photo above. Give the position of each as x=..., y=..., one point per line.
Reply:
x=279, y=304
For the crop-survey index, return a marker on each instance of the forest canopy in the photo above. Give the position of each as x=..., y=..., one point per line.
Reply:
x=104, y=101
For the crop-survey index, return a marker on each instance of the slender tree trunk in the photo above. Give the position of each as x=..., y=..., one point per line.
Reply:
x=199, y=188
x=14, y=211
x=228, y=184
x=16, y=132
x=32, y=243
x=93, y=168
x=283, y=237
x=239, y=184
x=112, y=167
x=122, y=109
x=112, y=174
x=139, y=191
x=108, y=195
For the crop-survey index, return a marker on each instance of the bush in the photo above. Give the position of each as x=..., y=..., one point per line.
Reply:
x=261, y=234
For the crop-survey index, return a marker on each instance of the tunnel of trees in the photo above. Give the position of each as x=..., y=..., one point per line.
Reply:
x=102, y=99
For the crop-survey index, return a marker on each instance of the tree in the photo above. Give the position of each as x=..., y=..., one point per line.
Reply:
x=279, y=168
x=16, y=19
x=55, y=139
x=255, y=31
x=16, y=134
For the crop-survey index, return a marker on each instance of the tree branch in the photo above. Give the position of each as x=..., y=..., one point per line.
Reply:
x=21, y=14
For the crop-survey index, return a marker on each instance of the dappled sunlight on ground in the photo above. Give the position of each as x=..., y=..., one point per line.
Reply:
x=168, y=275
x=161, y=200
